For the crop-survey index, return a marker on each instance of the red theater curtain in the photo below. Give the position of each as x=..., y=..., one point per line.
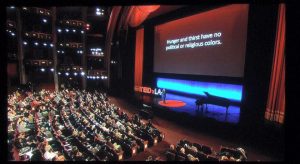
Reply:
x=140, y=13
x=139, y=54
x=276, y=101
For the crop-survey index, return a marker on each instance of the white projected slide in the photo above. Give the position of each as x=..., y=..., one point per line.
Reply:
x=195, y=41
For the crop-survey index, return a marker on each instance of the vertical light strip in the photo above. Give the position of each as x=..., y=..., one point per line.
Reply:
x=139, y=55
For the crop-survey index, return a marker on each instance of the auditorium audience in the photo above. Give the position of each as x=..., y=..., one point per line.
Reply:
x=74, y=124
x=187, y=151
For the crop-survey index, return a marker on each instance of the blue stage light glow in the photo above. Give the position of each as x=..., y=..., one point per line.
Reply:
x=229, y=91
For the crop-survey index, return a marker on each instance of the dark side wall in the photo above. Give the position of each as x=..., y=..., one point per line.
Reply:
x=259, y=56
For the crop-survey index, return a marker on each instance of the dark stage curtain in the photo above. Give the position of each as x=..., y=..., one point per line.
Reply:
x=275, y=110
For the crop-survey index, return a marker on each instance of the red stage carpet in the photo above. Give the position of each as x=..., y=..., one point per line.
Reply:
x=172, y=103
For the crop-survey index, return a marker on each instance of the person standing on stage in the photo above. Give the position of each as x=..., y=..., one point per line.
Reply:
x=163, y=93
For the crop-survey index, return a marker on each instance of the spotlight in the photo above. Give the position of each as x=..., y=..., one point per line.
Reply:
x=59, y=73
x=25, y=43
x=82, y=73
x=51, y=45
x=36, y=43
x=75, y=73
x=43, y=69
x=67, y=30
x=45, y=44
x=12, y=34
x=58, y=51
x=98, y=13
x=105, y=77
x=62, y=52
x=82, y=32
x=12, y=7
x=98, y=77
x=67, y=73
x=97, y=9
x=45, y=20
x=74, y=30
x=94, y=77
x=52, y=69
x=59, y=30
x=102, y=77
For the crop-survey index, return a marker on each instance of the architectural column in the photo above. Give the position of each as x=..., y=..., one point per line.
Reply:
x=22, y=75
x=111, y=26
x=54, y=52
x=83, y=60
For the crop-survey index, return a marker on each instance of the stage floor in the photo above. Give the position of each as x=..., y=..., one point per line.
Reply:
x=213, y=111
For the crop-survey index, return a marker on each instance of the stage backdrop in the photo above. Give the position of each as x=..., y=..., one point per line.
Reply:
x=210, y=43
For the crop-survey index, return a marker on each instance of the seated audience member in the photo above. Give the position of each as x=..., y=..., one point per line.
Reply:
x=192, y=158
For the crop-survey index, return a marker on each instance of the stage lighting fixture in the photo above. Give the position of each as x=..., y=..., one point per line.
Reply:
x=94, y=77
x=12, y=34
x=75, y=73
x=67, y=30
x=82, y=32
x=45, y=44
x=82, y=73
x=36, y=43
x=12, y=7
x=98, y=13
x=59, y=73
x=74, y=30
x=43, y=69
x=52, y=69
x=62, y=52
x=67, y=73
x=98, y=77
x=51, y=45
x=25, y=43
x=45, y=20
x=59, y=30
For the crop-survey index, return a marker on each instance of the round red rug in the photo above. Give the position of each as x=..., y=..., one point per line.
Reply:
x=172, y=103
